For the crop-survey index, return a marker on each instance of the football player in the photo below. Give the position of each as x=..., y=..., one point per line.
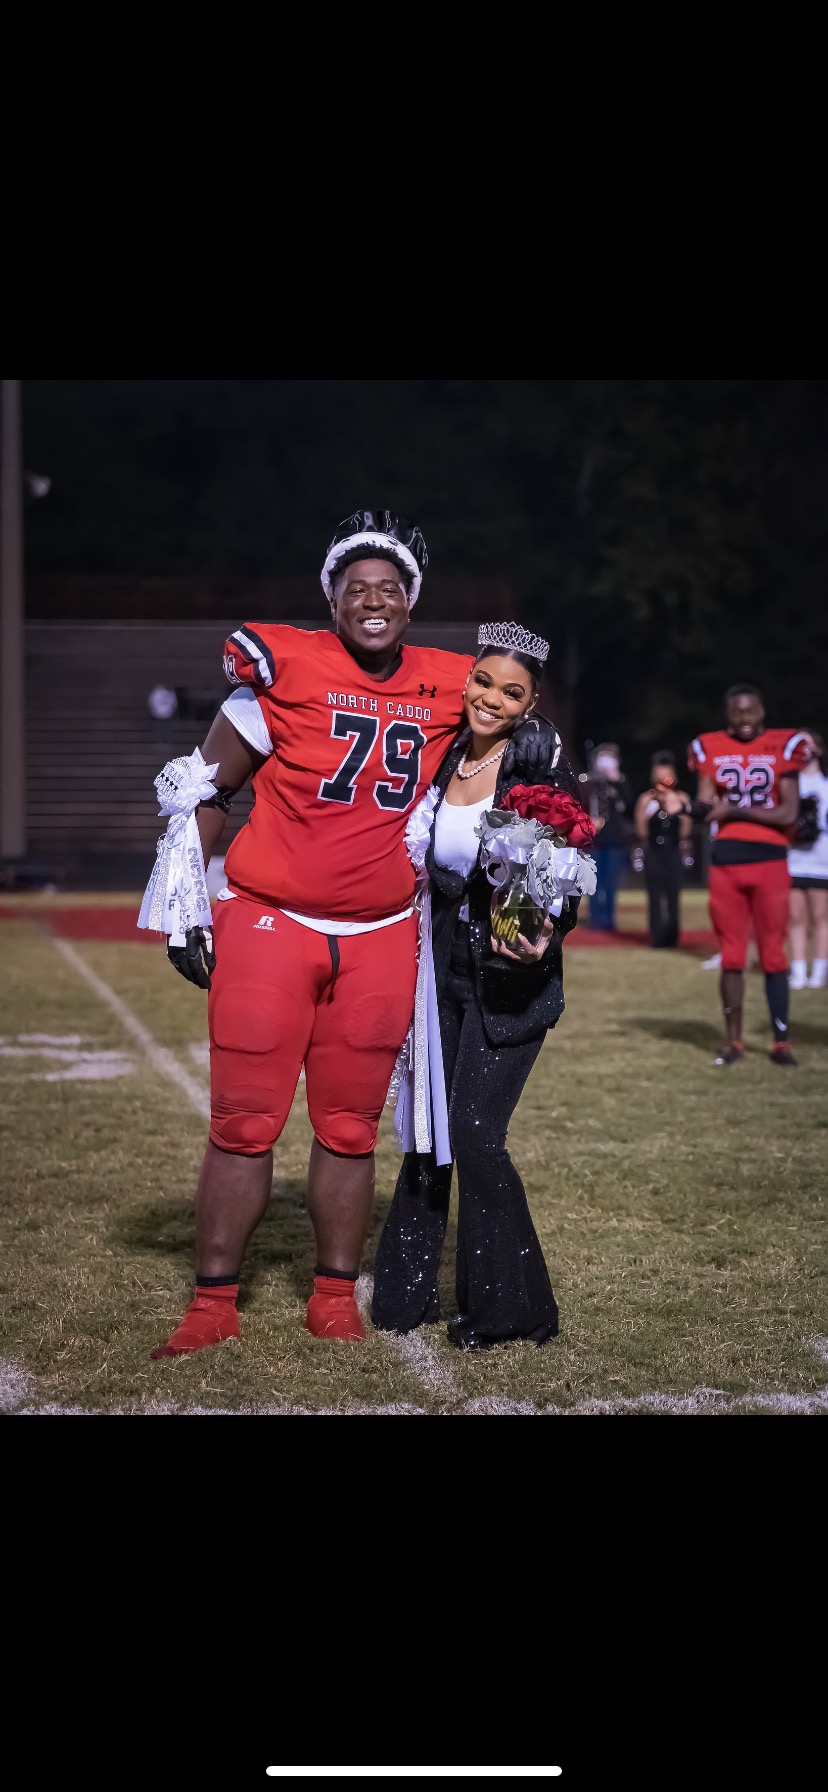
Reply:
x=311, y=957
x=748, y=785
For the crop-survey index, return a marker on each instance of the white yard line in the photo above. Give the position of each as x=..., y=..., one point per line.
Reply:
x=419, y=1357
x=746, y=1405
x=18, y=1399
x=161, y=1059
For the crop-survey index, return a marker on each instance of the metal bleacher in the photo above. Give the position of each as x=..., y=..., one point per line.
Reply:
x=93, y=748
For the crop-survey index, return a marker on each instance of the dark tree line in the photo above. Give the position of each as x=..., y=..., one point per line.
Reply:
x=668, y=536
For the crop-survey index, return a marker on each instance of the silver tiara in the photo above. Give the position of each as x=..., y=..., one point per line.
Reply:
x=513, y=639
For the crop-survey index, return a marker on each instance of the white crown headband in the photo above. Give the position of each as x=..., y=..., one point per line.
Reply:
x=513, y=639
x=372, y=538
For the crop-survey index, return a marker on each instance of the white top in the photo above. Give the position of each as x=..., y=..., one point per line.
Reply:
x=456, y=844
x=812, y=861
x=243, y=710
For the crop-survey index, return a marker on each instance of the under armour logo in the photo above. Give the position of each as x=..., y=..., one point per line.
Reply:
x=431, y=693
x=266, y=922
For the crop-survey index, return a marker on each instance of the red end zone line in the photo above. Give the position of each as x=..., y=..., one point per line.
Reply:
x=119, y=924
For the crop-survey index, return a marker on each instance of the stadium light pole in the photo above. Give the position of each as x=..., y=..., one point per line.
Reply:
x=12, y=663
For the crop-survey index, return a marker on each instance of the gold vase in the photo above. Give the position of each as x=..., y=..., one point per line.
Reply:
x=514, y=912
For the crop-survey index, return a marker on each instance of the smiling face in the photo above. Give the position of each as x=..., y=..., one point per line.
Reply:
x=370, y=609
x=745, y=716
x=499, y=693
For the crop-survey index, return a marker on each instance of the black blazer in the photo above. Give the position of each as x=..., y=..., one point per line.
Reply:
x=517, y=1002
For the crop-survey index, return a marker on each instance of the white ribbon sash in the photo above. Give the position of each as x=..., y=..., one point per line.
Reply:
x=422, y=1090
x=176, y=896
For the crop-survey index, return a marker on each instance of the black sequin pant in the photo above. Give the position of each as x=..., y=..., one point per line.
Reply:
x=502, y=1282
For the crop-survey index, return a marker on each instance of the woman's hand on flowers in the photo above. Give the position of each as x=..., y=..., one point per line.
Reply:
x=521, y=950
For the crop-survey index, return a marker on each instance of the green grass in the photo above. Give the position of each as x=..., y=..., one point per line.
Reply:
x=681, y=1210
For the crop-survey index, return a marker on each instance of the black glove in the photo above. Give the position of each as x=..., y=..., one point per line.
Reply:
x=533, y=752
x=196, y=959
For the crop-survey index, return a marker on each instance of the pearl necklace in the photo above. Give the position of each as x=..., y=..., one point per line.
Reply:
x=478, y=768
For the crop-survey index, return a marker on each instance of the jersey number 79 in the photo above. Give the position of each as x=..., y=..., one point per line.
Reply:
x=402, y=744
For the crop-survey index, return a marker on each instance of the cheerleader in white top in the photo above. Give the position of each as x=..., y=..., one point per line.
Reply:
x=808, y=866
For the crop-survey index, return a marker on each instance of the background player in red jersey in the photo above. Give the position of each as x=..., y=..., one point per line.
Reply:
x=748, y=785
x=313, y=958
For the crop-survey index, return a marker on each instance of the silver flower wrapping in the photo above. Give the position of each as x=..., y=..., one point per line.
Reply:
x=554, y=870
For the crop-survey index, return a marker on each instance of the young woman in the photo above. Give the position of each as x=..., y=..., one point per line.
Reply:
x=808, y=866
x=495, y=1004
x=663, y=826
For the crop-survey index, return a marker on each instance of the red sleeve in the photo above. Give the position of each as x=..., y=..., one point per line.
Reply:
x=794, y=754
x=697, y=760
x=248, y=659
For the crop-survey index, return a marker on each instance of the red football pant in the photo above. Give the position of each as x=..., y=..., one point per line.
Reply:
x=282, y=996
x=742, y=896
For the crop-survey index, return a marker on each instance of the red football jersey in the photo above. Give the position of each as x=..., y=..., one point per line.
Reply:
x=351, y=756
x=748, y=770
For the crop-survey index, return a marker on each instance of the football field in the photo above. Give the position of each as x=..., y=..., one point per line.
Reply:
x=681, y=1208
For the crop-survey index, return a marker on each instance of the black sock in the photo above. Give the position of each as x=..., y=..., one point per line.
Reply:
x=216, y=1281
x=776, y=990
x=340, y=1275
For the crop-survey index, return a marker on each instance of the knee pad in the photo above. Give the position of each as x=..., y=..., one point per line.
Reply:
x=256, y=1055
x=245, y=1120
x=350, y=1135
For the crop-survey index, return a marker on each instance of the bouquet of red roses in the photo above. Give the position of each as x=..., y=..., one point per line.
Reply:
x=532, y=855
x=554, y=809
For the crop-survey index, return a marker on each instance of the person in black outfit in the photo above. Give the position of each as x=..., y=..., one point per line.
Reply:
x=610, y=799
x=664, y=828
x=495, y=1007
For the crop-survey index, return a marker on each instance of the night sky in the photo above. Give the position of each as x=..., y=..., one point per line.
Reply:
x=669, y=537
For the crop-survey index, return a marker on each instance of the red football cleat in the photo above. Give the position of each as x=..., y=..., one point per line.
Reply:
x=332, y=1310
x=208, y=1320
x=782, y=1054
